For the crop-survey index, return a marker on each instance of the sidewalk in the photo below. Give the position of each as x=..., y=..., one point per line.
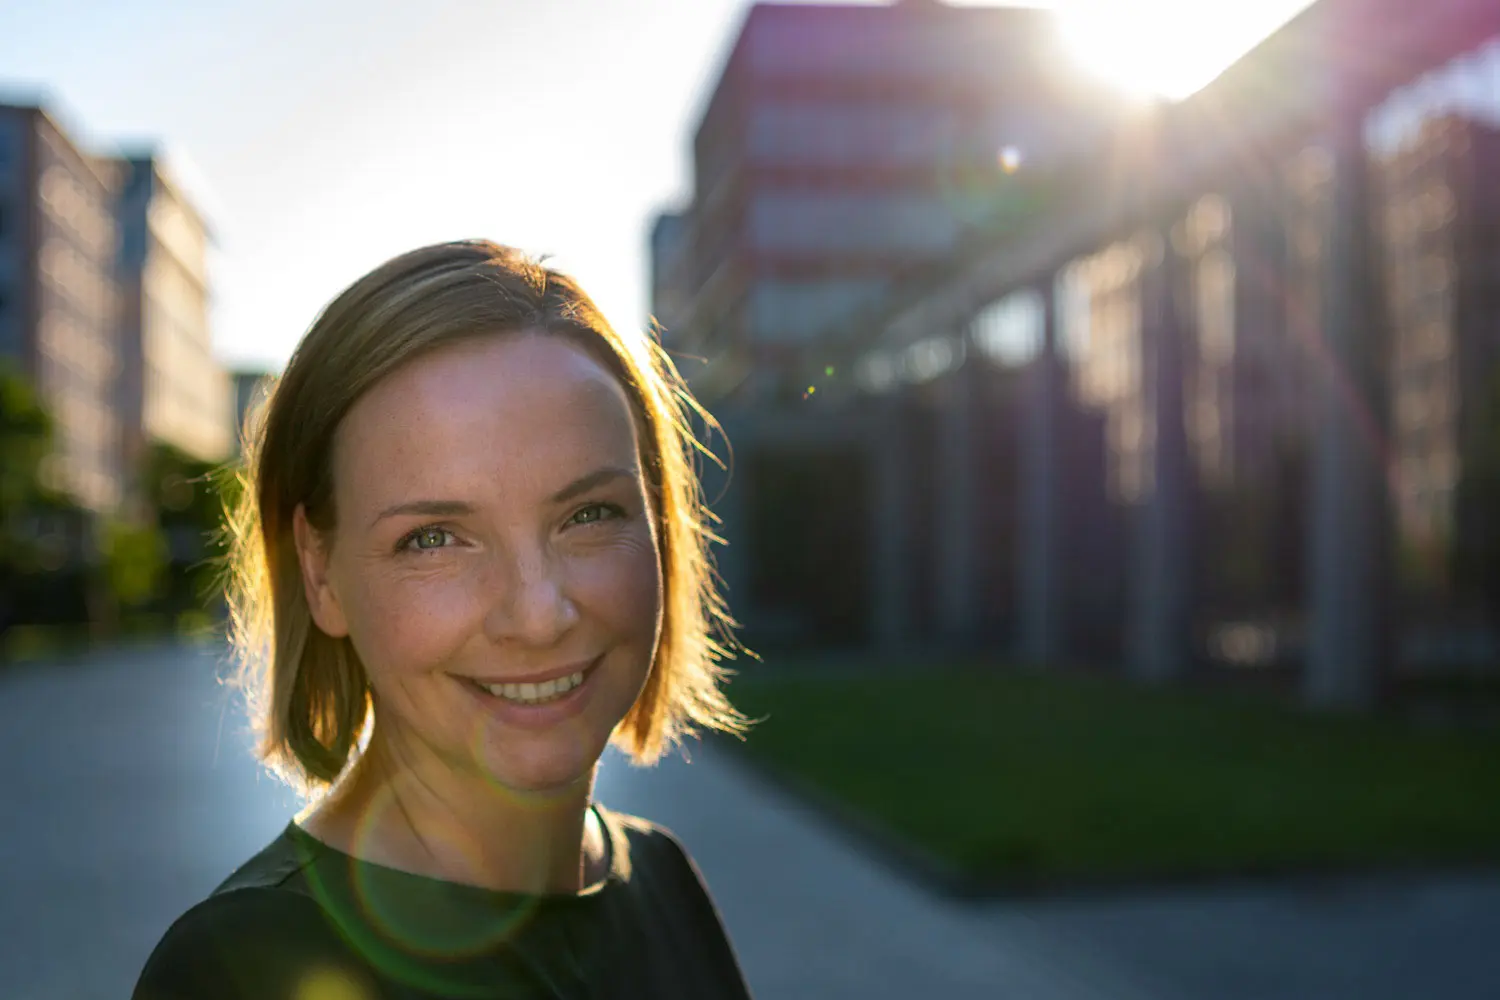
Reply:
x=813, y=918
x=1391, y=937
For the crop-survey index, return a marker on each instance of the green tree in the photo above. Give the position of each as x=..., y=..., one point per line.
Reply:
x=47, y=571
x=135, y=563
x=27, y=545
x=25, y=443
x=186, y=494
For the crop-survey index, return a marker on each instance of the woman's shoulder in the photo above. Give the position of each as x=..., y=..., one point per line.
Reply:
x=250, y=941
x=652, y=859
x=281, y=864
x=646, y=846
x=244, y=914
x=670, y=896
x=256, y=935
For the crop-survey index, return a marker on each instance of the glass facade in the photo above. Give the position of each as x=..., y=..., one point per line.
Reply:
x=844, y=145
x=801, y=311
x=187, y=398
x=893, y=48
x=850, y=134
x=849, y=223
x=77, y=357
x=1435, y=151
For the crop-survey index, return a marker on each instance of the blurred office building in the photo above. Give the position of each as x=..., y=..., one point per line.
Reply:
x=104, y=306
x=842, y=146
x=843, y=149
x=1441, y=232
x=171, y=389
x=1210, y=383
x=59, y=304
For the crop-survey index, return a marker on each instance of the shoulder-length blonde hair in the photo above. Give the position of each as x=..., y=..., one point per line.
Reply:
x=307, y=692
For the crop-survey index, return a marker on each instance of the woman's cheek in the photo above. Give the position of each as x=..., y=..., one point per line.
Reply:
x=624, y=585
x=413, y=620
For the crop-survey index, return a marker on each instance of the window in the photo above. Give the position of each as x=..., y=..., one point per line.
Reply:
x=851, y=223
x=802, y=310
x=869, y=44
x=832, y=134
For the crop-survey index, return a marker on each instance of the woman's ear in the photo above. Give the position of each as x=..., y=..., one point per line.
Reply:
x=312, y=557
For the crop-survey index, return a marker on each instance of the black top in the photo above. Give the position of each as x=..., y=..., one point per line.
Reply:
x=302, y=919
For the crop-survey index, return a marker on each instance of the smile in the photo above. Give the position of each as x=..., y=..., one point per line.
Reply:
x=536, y=694
x=554, y=694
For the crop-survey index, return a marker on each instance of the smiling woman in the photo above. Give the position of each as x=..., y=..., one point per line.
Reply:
x=471, y=552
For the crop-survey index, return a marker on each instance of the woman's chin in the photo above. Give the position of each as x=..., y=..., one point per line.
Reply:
x=545, y=772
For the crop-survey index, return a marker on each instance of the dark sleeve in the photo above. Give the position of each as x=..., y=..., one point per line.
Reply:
x=260, y=943
x=700, y=920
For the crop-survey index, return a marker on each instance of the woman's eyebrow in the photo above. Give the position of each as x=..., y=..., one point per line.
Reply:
x=591, y=481
x=426, y=508
x=459, y=508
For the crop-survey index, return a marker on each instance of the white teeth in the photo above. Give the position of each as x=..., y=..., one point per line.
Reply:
x=535, y=694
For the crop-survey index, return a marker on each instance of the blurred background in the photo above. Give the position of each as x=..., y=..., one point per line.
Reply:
x=1114, y=499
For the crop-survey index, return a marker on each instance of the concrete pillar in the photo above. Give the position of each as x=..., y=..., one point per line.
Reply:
x=1038, y=549
x=1348, y=548
x=958, y=554
x=1257, y=244
x=891, y=514
x=1159, y=623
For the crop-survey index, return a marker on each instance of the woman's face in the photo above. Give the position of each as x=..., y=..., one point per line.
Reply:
x=495, y=558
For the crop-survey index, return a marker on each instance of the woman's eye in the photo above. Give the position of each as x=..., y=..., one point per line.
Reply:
x=426, y=539
x=595, y=512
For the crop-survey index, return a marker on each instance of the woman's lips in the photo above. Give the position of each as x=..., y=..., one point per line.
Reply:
x=535, y=704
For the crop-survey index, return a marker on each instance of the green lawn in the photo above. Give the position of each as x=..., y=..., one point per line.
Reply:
x=1036, y=778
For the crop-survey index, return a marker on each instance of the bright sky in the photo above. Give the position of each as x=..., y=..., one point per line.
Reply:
x=330, y=135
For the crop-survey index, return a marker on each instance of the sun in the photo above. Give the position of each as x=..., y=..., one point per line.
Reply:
x=1165, y=48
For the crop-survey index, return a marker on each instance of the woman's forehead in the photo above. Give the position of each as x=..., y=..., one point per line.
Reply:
x=503, y=363
x=493, y=403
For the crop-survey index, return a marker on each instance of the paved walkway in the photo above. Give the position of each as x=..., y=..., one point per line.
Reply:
x=132, y=795
x=813, y=918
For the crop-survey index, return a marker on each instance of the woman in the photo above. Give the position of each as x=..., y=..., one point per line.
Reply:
x=471, y=552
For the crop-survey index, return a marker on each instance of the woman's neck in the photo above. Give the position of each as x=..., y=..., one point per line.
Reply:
x=423, y=816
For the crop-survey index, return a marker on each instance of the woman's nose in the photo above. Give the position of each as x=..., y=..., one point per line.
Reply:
x=531, y=603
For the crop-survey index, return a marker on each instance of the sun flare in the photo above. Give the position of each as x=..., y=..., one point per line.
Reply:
x=1165, y=48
